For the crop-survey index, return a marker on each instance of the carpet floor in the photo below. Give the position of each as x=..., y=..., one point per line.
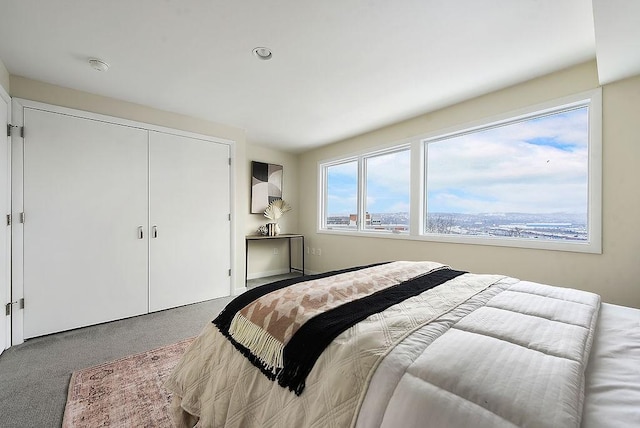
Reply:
x=128, y=392
x=34, y=376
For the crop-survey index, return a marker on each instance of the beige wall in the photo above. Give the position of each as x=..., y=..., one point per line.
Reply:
x=614, y=274
x=4, y=78
x=56, y=95
x=263, y=261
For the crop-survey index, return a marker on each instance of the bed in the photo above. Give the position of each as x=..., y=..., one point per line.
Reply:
x=412, y=344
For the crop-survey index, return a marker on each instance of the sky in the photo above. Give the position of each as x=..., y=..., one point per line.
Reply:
x=388, y=185
x=535, y=166
x=342, y=189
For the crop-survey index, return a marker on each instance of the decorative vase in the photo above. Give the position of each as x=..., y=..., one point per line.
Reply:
x=273, y=228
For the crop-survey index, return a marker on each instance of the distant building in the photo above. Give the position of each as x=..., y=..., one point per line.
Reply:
x=353, y=220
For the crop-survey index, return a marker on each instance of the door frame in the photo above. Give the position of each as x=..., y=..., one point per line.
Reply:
x=17, y=197
x=6, y=290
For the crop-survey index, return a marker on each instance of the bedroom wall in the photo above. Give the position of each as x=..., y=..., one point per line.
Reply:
x=38, y=91
x=263, y=260
x=613, y=274
x=4, y=77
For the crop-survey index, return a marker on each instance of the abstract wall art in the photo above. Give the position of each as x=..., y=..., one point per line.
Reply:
x=266, y=185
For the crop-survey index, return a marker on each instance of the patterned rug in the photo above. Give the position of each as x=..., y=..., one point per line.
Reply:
x=128, y=392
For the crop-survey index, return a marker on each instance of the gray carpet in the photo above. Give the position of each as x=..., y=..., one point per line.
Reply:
x=34, y=376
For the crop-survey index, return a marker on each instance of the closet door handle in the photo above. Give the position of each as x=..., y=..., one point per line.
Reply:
x=140, y=232
x=154, y=231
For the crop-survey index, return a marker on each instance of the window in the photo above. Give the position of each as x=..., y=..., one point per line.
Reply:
x=387, y=191
x=528, y=179
x=342, y=195
x=523, y=179
x=382, y=178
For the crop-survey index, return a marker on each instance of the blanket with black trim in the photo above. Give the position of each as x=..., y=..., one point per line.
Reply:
x=283, y=327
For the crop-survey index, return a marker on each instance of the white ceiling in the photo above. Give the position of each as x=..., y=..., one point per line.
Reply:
x=339, y=67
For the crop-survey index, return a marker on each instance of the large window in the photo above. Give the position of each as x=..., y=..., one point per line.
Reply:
x=528, y=179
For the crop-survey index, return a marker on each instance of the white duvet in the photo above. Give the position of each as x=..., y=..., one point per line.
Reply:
x=519, y=360
x=509, y=353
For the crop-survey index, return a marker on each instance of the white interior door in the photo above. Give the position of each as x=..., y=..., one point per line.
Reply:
x=85, y=204
x=190, y=250
x=5, y=208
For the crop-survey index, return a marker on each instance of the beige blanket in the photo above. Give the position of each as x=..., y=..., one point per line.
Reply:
x=220, y=387
x=266, y=325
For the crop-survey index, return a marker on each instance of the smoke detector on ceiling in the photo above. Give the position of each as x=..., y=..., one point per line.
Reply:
x=98, y=64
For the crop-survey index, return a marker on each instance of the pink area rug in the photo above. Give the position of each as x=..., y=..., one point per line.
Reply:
x=128, y=392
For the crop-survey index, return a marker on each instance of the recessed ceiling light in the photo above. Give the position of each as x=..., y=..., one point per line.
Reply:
x=98, y=64
x=263, y=53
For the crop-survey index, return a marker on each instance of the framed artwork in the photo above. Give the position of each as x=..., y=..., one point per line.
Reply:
x=266, y=185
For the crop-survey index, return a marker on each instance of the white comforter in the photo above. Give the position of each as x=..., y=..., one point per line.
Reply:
x=519, y=360
x=513, y=354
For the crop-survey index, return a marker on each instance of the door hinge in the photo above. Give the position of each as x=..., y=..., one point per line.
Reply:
x=229, y=216
x=22, y=217
x=229, y=161
x=9, y=306
x=229, y=272
x=10, y=127
x=8, y=219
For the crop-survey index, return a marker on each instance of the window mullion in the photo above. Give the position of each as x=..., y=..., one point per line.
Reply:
x=417, y=199
x=362, y=191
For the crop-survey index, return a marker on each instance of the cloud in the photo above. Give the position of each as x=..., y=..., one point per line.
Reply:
x=388, y=184
x=342, y=195
x=390, y=172
x=536, y=166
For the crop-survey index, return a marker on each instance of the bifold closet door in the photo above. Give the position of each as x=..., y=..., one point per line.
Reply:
x=189, y=251
x=85, y=225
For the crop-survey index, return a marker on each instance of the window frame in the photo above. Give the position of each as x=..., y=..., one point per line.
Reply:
x=323, y=191
x=418, y=207
x=360, y=158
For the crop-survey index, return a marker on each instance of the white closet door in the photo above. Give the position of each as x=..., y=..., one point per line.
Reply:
x=85, y=197
x=189, y=210
x=5, y=286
